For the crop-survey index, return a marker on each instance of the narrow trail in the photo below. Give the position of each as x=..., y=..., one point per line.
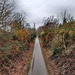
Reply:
x=38, y=66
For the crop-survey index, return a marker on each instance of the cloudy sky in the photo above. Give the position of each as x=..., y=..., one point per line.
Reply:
x=38, y=9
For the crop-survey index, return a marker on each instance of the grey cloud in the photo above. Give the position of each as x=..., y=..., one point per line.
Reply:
x=37, y=9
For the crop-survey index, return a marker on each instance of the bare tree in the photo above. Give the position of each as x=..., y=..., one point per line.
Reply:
x=6, y=8
x=69, y=18
x=66, y=17
x=27, y=26
x=19, y=21
x=51, y=22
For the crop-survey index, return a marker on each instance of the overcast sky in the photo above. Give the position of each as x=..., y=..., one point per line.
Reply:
x=38, y=9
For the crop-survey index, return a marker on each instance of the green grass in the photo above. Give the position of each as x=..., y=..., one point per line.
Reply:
x=29, y=63
x=28, y=66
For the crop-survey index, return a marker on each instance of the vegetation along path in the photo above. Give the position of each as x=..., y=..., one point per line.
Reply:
x=38, y=66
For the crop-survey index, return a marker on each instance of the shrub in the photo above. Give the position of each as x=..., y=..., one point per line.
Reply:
x=54, y=50
x=42, y=34
x=58, y=39
x=22, y=47
x=15, y=37
x=22, y=35
x=33, y=36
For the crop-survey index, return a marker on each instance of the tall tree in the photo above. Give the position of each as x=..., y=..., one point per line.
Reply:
x=6, y=8
x=51, y=22
x=18, y=21
x=27, y=26
x=66, y=17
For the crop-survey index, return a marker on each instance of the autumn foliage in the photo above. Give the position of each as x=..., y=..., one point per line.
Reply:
x=12, y=45
x=58, y=39
x=22, y=35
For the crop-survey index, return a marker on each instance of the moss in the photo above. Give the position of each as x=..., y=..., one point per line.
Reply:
x=28, y=66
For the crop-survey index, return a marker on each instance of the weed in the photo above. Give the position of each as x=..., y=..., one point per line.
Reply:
x=41, y=42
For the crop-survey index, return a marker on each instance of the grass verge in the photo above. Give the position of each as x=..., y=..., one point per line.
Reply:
x=29, y=63
x=28, y=66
